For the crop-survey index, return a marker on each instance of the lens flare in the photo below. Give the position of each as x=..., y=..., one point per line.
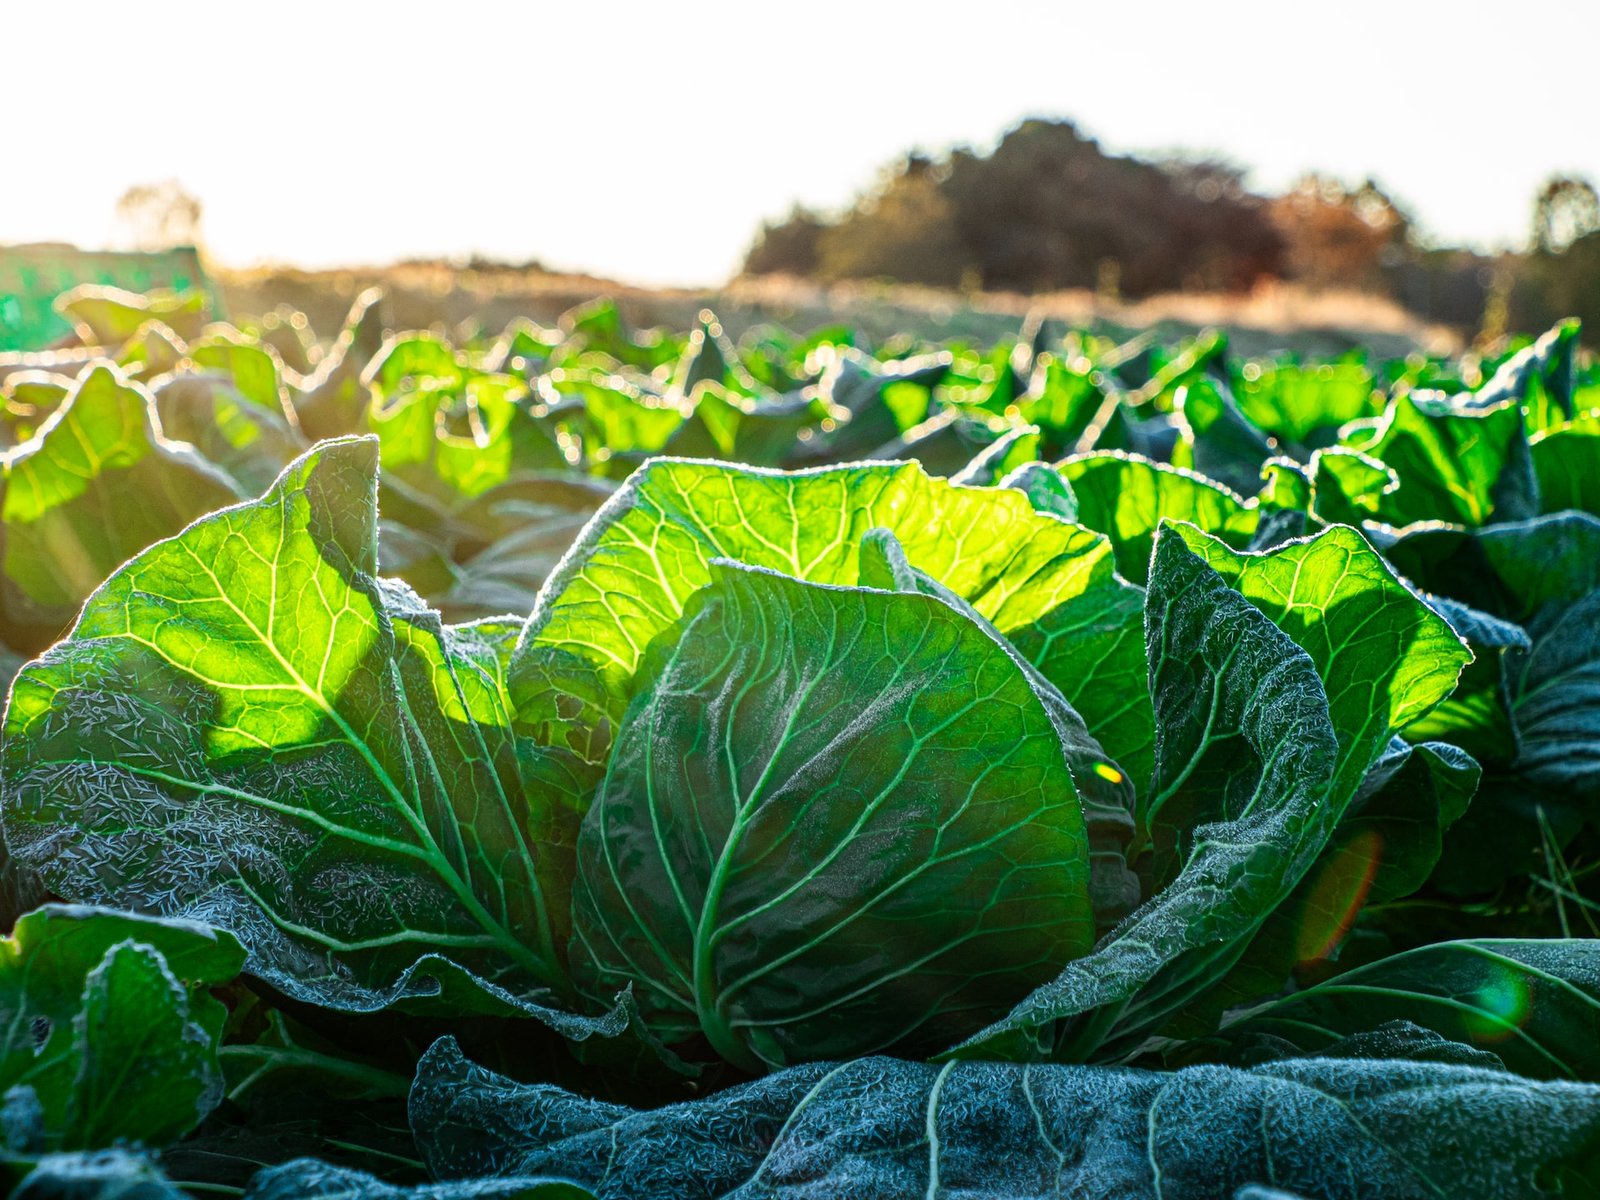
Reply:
x=1337, y=893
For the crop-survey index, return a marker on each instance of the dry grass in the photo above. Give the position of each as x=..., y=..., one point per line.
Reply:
x=442, y=296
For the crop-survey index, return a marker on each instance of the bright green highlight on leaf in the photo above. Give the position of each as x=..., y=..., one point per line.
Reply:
x=1127, y=497
x=650, y=547
x=96, y=484
x=246, y=726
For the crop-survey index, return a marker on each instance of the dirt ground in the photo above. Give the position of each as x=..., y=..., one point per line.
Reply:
x=463, y=301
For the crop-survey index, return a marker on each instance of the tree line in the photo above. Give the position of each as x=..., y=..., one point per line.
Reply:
x=1048, y=209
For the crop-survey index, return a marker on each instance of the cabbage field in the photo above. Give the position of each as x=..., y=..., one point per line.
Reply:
x=642, y=765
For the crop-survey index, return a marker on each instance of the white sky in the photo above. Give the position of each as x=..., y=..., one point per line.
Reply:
x=645, y=141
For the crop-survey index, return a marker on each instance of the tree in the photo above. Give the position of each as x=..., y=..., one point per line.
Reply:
x=904, y=230
x=1338, y=236
x=1561, y=275
x=787, y=247
x=160, y=215
x=1048, y=209
x=1565, y=210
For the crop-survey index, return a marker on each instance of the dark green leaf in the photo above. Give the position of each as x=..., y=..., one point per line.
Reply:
x=1348, y=487
x=750, y=864
x=1535, y=1004
x=1045, y=489
x=1477, y=715
x=1543, y=575
x=103, y=1175
x=1566, y=459
x=147, y=1072
x=1385, y=848
x=881, y=1129
x=312, y=1180
x=865, y=413
x=1246, y=793
x=1073, y=409
x=1540, y=377
x=1218, y=440
x=1384, y=657
x=1104, y=789
x=760, y=432
x=98, y=1027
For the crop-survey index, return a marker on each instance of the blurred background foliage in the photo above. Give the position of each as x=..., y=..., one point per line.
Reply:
x=1049, y=210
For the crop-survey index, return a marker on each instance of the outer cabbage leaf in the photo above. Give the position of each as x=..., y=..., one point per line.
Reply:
x=249, y=440
x=1216, y=439
x=1126, y=497
x=506, y=576
x=1106, y=793
x=246, y=727
x=109, y=316
x=709, y=356
x=623, y=423
x=1073, y=408
x=1477, y=715
x=1455, y=463
x=1566, y=460
x=95, y=485
x=1292, y=402
x=883, y=1129
x=456, y=438
x=1041, y=581
x=761, y=431
x=153, y=350
x=99, y=1175
x=308, y=1179
x=105, y=1024
x=29, y=396
x=597, y=328
x=1384, y=848
x=869, y=403
x=1385, y=658
x=1541, y=377
x=146, y=1071
x=332, y=401
x=1543, y=575
x=1349, y=487
x=1000, y=458
x=1247, y=793
x=1045, y=489
x=288, y=333
x=253, y=369
x=1534, y=1004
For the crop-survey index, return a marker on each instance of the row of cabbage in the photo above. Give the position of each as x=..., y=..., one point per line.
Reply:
x=1097, y=729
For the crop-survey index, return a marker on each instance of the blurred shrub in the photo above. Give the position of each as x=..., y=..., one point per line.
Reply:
x=787, y=247
x=1047, y=209
x=1336, y=236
